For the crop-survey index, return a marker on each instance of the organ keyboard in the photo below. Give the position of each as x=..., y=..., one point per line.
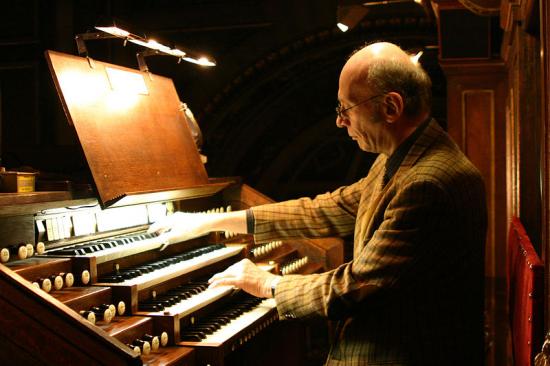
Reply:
x=150, y=274
x=105, y=250
x=86, y=268
x=223, y=332
x=221, y=327
x=183, y=301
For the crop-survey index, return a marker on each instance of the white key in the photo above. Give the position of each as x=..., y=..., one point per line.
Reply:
x=243, y=321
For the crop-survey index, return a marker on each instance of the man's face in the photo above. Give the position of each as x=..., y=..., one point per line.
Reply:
x=361, y=117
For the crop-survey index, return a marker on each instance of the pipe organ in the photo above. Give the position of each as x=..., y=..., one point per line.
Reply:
x=83, y=282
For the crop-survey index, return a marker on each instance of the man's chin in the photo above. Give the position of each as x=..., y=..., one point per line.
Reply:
x=363, y=147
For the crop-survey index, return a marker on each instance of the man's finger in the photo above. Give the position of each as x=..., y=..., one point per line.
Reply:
x=220, y=275
x=164, y=238
x=223, y=282
x=156, y=227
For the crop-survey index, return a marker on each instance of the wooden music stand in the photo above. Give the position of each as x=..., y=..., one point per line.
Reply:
x=134, y=136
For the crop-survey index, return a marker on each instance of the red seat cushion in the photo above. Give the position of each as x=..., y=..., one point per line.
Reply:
x=525, y=290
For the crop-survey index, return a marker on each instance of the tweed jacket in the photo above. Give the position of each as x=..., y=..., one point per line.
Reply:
x=413, y=292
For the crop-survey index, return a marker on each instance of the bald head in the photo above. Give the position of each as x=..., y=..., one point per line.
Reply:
x=384, y=67
x=381, y=52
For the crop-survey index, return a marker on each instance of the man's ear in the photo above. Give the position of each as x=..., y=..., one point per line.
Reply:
x=392, y=107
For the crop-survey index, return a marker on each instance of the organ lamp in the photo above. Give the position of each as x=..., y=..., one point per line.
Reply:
x=108, y=28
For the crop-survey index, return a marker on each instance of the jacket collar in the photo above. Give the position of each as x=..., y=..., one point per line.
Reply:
x=431, y=133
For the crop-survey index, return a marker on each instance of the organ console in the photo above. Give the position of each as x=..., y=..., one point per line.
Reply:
x=105, y=284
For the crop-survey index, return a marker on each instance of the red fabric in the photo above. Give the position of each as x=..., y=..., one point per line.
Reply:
x=525, y=289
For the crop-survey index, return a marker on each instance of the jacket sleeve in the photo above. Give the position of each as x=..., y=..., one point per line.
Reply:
x=329, y=214
x=394, y=257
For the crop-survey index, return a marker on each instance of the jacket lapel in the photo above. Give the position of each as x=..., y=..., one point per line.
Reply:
x=373, y=214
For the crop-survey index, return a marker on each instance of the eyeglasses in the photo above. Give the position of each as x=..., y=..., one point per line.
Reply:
x=340, y=111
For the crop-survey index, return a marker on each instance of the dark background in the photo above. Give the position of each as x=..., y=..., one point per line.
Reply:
x=266, y=111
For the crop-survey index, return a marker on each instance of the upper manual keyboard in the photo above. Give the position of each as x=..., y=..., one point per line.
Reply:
x=111, y=248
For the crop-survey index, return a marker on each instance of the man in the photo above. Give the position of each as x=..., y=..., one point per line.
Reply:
x=413, y=293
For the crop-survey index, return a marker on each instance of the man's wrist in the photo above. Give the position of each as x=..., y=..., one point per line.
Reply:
x=274, y=282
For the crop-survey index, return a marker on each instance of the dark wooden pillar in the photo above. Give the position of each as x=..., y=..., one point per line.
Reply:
x=545, y=140
x=476, y=119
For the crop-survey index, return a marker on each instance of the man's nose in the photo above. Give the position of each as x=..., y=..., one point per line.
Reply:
x=341, y=122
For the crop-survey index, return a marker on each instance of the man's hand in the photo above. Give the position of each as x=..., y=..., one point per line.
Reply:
x=247, y=276
x=181, y=226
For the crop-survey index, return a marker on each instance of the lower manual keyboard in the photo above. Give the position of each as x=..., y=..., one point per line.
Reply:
x=233, y=326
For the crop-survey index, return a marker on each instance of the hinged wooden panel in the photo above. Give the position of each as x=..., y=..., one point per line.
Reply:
x=135, y=138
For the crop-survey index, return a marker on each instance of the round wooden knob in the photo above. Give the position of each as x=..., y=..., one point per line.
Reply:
x=30, y=250
x=69, y=279
x=164, y=339
x=85, y=277
x=4, y=255
x=22, y=252
x=40, y=248
x=121, y=308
